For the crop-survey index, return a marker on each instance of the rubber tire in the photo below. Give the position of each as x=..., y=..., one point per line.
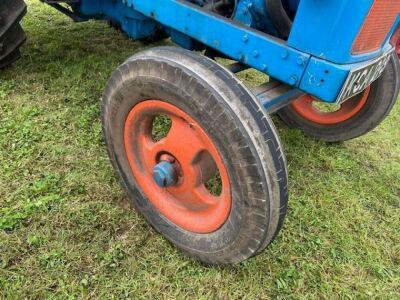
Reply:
x=244, y=135
x=383, y=95
x=12, y=35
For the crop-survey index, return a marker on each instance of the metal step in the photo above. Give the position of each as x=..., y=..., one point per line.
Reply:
x=237, y=67
x=274, y=95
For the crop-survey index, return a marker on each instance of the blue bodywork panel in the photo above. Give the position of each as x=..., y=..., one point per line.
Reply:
x=135, y=24
x=316, y=58
x=327, y=29
x=323, y=28
x=253, y=13
x=242, y=43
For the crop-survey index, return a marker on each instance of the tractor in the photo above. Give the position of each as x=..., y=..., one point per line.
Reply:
x=333, y=72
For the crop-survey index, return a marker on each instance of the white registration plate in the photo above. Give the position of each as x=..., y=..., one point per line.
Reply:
x=359, y=79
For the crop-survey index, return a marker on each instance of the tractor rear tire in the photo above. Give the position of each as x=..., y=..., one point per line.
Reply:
x=12, y=35
x=355, y=117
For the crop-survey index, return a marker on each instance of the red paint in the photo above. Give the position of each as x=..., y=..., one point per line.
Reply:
x=188, y=203
x=378, y=23
x=395, y=41
x=305, y=108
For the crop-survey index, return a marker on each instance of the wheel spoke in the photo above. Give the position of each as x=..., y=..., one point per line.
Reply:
x=206, y=197
x=149, y=151
x=183, y=138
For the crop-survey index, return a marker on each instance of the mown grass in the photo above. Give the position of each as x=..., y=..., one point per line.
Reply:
x=66, y=230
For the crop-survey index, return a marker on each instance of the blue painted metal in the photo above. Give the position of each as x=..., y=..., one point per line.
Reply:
x=254, y=48
x=164, y=174
x=316, y=59
x=253, y=13
x=396, y=25
x=326, y=79
x=135, y=24
x=327, y=29
x=184, y=40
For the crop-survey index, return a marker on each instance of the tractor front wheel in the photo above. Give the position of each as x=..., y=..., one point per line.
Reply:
x=196, y=153
x=353, y=118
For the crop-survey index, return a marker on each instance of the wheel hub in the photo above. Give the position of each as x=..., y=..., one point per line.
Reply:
x=164, y=174
x=173, y=172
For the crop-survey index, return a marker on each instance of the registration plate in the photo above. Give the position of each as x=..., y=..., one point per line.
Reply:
x=359, y=79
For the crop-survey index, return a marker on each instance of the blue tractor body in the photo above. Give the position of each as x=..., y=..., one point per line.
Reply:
x=315, y=56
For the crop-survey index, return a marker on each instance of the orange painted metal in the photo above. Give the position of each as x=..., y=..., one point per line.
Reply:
x=306, y=109
x=188, y=203
x=377, y=25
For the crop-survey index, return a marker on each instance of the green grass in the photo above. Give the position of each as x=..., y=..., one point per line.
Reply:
x=66, y=230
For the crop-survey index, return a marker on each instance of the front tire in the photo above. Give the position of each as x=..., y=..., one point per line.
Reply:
x=212, y=110
x=355, y=117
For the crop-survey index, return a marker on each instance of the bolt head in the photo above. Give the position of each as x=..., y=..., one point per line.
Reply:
x=293, y=80
x=301, y=61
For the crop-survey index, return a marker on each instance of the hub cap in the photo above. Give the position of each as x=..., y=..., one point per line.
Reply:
x=173, y=171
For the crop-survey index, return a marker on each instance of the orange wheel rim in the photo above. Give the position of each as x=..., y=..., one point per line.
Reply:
x=304, y=106
x=187, y=203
